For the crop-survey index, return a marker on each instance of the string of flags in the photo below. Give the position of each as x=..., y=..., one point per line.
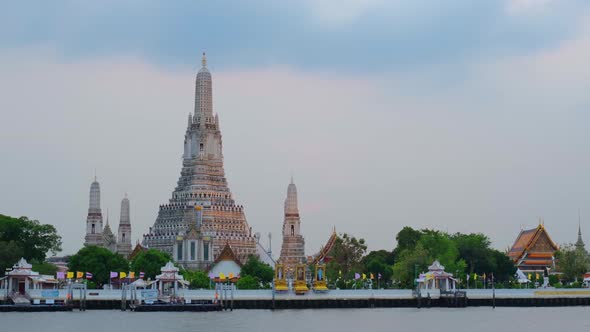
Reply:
x=89, y=275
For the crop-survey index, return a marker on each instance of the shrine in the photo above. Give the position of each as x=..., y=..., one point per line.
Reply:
x=437, y=278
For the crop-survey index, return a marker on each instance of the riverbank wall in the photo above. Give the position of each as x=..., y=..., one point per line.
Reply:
x=264, y=299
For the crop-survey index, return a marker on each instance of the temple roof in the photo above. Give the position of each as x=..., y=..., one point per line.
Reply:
x=526, y=239
x=227, y=254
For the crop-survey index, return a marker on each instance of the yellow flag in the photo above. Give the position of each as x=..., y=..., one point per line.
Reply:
x=221, y=276
x=70, y=275
x=122, y=275
x=231, y=275
x=537, y=276
x=364, y=276
x=132, y=275
x=530, y=276
x=475, y=276
x=79, y=275
x=484, y=276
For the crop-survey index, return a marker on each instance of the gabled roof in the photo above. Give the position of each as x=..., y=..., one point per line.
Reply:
x=526, y=239
x=138, y=248
x=227, y=254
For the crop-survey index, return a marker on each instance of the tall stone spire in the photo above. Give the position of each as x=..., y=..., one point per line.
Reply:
x=94, y=218
x=203, y=91
x=202, y=183
x=291, y=201
x=293, y=247
x=580, y=243
x=124, y=233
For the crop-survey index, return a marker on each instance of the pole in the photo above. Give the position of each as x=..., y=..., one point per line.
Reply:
x=493, y=293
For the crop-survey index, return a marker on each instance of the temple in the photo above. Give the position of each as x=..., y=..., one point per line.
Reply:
x=202, y=183
x=293, y=248
x=533, y=251
x=96, y=235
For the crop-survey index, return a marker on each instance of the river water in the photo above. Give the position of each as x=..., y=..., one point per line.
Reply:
x=475, y=319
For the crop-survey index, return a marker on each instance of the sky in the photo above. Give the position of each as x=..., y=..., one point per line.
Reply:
x=462, y=116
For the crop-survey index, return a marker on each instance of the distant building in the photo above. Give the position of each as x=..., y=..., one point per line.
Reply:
x=293, y=248
x=534, y=251
x=96, y=235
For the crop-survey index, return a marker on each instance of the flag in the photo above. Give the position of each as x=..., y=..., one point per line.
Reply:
x=114, y=274
x=211, y=275
x=357, y=276
x=379, y=275
x=537, y=276
x=372, y=276
x=61, y=275
x=484, y=276
x=141, y=275
x=132, y=275
x=70, y=275
x=221, y=276
x=340, y=273
x=231, y=275
x=122, y=275
x=88, y=275
x=79, y=275
x=475, y=276
x=364, y=276
x=468, y=276
x=530, y=276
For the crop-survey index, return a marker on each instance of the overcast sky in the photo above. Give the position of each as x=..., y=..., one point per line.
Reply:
x=459, y=115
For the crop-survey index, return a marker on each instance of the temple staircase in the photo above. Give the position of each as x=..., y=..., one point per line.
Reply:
x=20, y=299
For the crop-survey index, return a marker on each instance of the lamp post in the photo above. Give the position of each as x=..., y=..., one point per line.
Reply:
x=415, y=275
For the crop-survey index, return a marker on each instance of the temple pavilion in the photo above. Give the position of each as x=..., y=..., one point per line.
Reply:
x=21, y=279
x=533, y=251
x=437, y=278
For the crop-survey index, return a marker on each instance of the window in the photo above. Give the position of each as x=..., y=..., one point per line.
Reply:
x=123, y=237
x=93, y=230
x=201, y=147
x=179, y=251
x=192, y=251
x=205, y=251
x=292, y=230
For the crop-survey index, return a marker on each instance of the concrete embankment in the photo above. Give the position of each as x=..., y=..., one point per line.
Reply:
x=263, y=299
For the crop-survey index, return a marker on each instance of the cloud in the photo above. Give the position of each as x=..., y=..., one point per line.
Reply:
x=479, y=147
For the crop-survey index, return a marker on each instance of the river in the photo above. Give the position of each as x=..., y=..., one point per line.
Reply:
x=475, y=319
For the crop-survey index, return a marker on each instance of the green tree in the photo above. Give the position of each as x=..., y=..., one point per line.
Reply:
x=197, y=279
x=475, y=250
x=572, y=262
x=257, y=269
x=247, y=282
x=99, y=261
x=504, y=267
x=35, y=239
x=346, y=256
x=379, y=262
x=409, y=263
x=406, y=239
x=149, y=262
x=10, y=253
x=44, y=268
